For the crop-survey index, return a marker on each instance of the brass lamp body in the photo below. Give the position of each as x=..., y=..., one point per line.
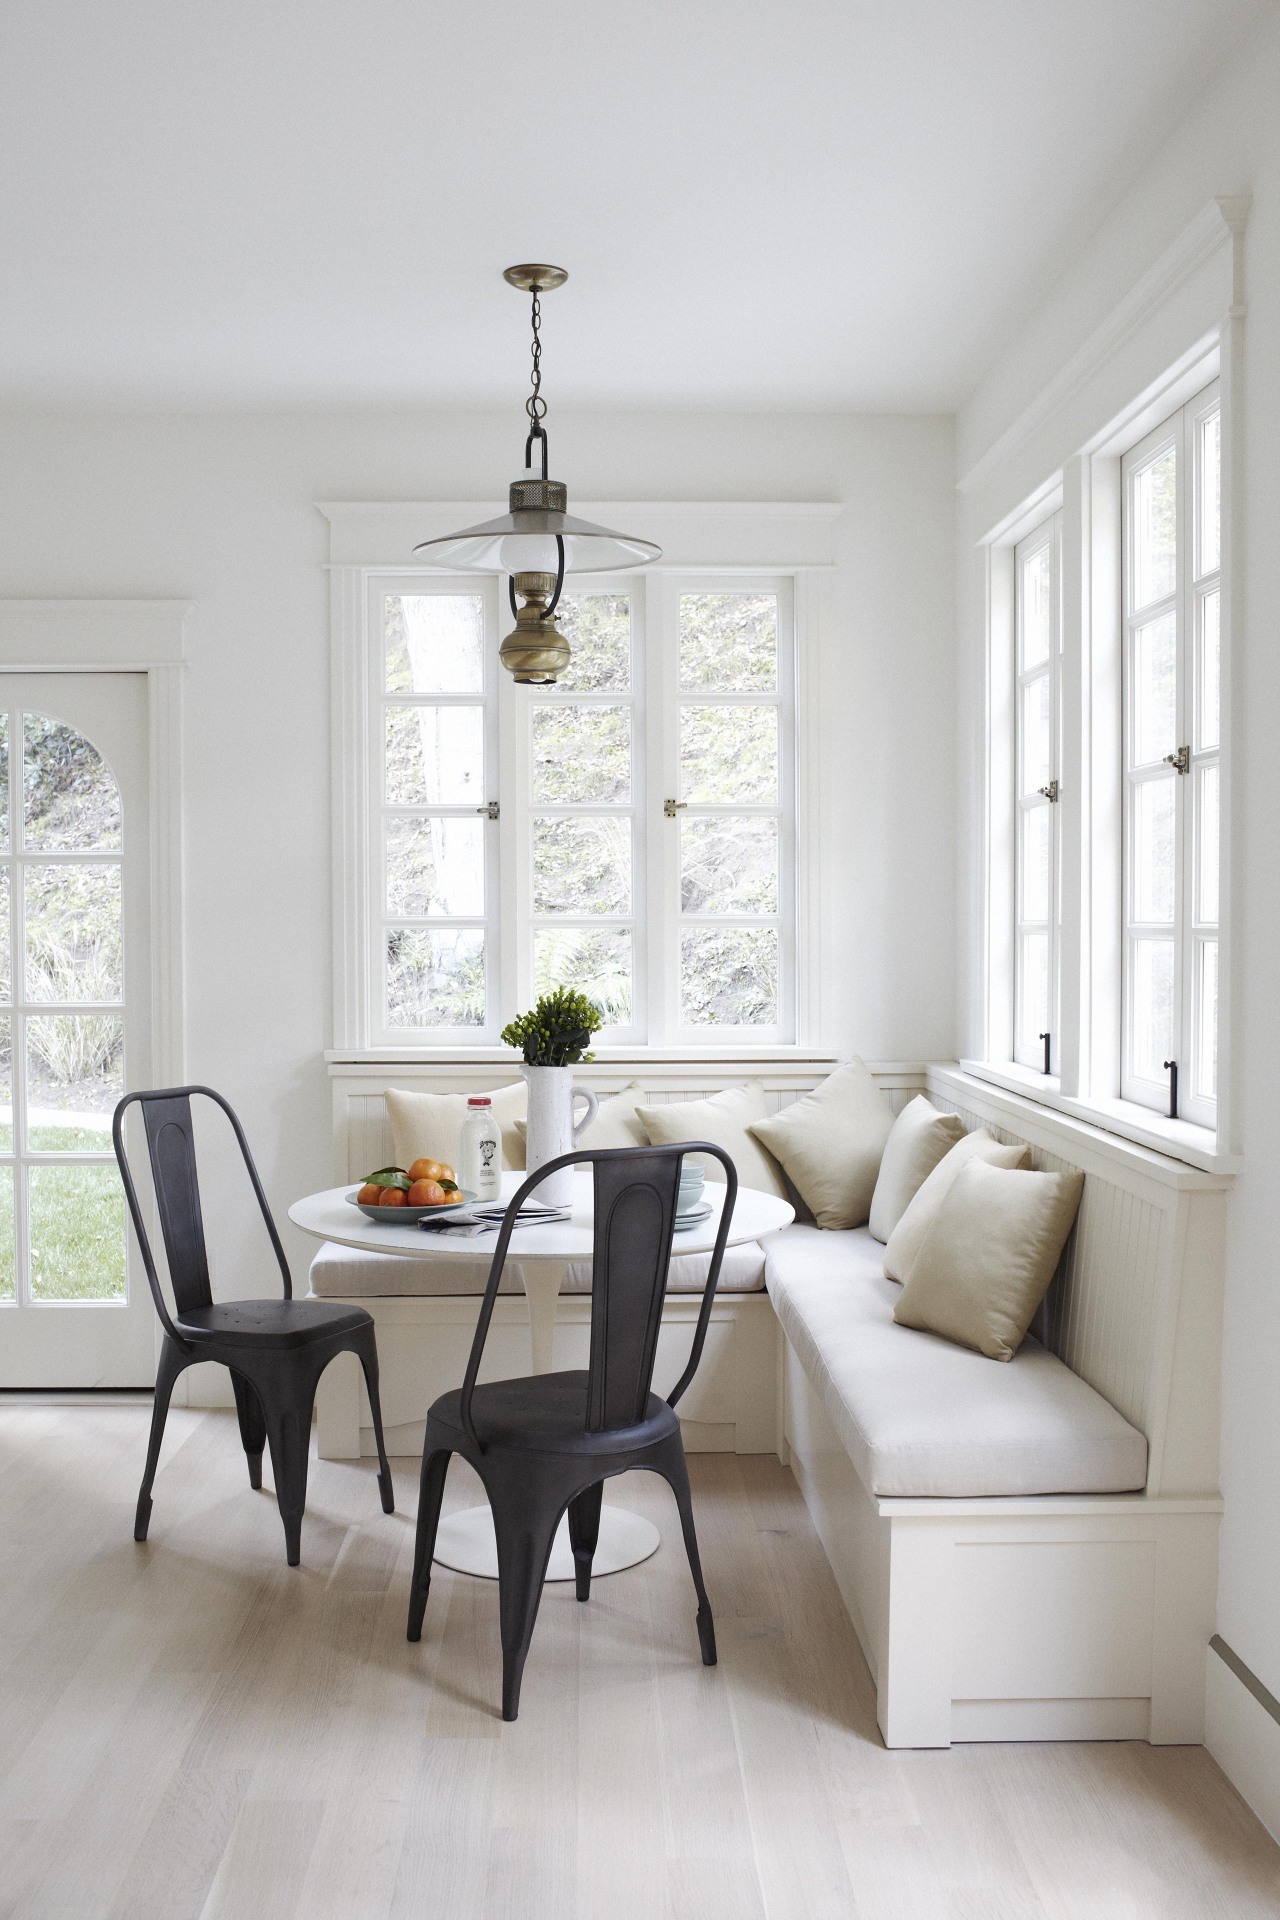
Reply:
x=534, y=652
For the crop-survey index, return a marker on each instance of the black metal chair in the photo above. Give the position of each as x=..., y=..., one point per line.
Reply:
x=275, y=1350
x=549, y=1442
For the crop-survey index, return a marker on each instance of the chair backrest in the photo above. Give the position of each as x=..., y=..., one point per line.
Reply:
x=636, y=1191
x=171, y=1146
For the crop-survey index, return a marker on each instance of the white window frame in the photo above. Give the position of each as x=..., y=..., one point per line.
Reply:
x=1048, y=535
x=359, y=704
x=1180, y=432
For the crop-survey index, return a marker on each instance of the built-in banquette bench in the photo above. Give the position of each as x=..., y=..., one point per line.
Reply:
x=1027, y=1550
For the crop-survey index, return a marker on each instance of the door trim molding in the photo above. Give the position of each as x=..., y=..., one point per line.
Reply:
x=130, y=636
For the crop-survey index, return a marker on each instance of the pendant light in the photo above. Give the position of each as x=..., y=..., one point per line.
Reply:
x=537, y=541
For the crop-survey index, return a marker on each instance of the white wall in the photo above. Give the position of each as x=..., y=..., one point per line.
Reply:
x=219, y=509
x=1229, y=144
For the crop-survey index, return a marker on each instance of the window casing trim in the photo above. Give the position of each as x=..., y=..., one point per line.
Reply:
x=799, y=534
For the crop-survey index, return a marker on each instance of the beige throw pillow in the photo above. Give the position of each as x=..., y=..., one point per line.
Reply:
x=921, y=1137
x=986, y=1262
x=617, y=1124
x=830, y=1143
x=723, y=1119
x=904, y=1242
x=426, y=1126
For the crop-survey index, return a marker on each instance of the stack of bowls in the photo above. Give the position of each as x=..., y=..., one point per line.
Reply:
x=692, y=1181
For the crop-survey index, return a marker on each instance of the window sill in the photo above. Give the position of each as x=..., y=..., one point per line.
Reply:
x=607, y=1056
x=1179, y=1139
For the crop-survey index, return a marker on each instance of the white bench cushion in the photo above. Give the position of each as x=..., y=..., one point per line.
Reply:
x=347, y=1273
x=919, y=1416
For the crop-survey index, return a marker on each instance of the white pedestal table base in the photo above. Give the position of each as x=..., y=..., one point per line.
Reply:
x=465, y=1542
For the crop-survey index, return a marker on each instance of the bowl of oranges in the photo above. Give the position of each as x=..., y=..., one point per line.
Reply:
x=401, y=1196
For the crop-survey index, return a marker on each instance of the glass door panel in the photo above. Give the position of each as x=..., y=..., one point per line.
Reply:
x=75, y=1309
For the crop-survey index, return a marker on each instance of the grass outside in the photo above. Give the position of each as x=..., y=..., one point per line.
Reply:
x=76, y=1223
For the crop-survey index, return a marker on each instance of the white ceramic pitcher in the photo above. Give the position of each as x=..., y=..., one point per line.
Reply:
x=551, y=1129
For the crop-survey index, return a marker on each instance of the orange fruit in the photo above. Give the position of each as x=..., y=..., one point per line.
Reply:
x=425, y=1193
x=456, y=1198
x=425, y=1170
x=392, y=1197
x=446, y=1172
x=369, y=1195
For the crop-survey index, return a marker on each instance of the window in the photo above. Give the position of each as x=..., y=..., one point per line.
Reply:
x=628, y=831
x=1171, y=491
x=1037, y=726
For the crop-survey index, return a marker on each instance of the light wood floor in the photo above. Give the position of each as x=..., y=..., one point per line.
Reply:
x=192, y=1731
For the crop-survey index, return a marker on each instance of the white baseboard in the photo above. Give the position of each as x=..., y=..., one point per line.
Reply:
x=1244, y=1739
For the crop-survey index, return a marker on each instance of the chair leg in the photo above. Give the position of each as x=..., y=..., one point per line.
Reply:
x=172, y=1362
x=288, y=1419
x=253, y=1427
x=676, y=1474
x=584, y=1532
x=435, y=1467
x=369, y=1361
x=525, y=1528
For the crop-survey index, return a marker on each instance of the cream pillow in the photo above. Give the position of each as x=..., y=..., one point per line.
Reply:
x=830, y=1143
x=921, y=1137
x=904, y=1241
x=723, y=1119
x=987, y=1260
x=617, y=1124
x=426, y=1126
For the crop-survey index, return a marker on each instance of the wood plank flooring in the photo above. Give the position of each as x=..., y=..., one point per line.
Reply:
x=191, y=1730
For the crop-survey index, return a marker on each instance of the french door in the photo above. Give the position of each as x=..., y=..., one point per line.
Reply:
x=75, y=1310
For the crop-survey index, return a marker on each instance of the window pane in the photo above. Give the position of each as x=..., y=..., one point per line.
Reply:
x=6, y=1084
x=1152, y=1011
x=597, y=964
x=71, y=803
x=1153, y=858
x=435, y=867
x=4, y=782
x=729, y=864
x=1210, y=494
x=1207, y=720
x=1207, y=850
x=77, y=1233
x=729, y=642
x=435, y=978
x=1036, y=624
x=1206, y=1044
x=435, y=756
x=73, y=933
x=729, y=977
x=598, y=628
x=6, y=973
x=8, y=1264
x=581, y=754
x=75, y=1075
x=1155, y=529
x=1034, y=896
x=434, y=642
x=1033, y=995
x=728, y=754
x=582, y=866
x=1036, y=738
x=1155, y=712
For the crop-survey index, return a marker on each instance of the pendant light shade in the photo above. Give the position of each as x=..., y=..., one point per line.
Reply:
x=523, y=540
x=537, y=541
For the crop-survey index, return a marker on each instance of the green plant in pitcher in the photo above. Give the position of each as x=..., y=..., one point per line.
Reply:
x=557, y=1031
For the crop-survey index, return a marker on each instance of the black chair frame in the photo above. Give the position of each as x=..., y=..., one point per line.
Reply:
x=546, y=1444
x=275, y=1350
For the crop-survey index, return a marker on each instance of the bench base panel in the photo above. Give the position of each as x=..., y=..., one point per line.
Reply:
x=1080, y=1617
x=423, y=1345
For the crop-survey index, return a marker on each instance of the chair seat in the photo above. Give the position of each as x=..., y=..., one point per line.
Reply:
x=547, y=1413
x=270, y=1323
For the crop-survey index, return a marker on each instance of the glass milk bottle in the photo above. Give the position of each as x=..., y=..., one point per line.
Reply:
x=480, y=1150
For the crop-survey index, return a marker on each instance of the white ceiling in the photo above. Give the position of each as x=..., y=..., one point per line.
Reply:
x=762, y=203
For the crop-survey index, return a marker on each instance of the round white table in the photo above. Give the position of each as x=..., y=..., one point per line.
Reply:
x=464, y=1541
